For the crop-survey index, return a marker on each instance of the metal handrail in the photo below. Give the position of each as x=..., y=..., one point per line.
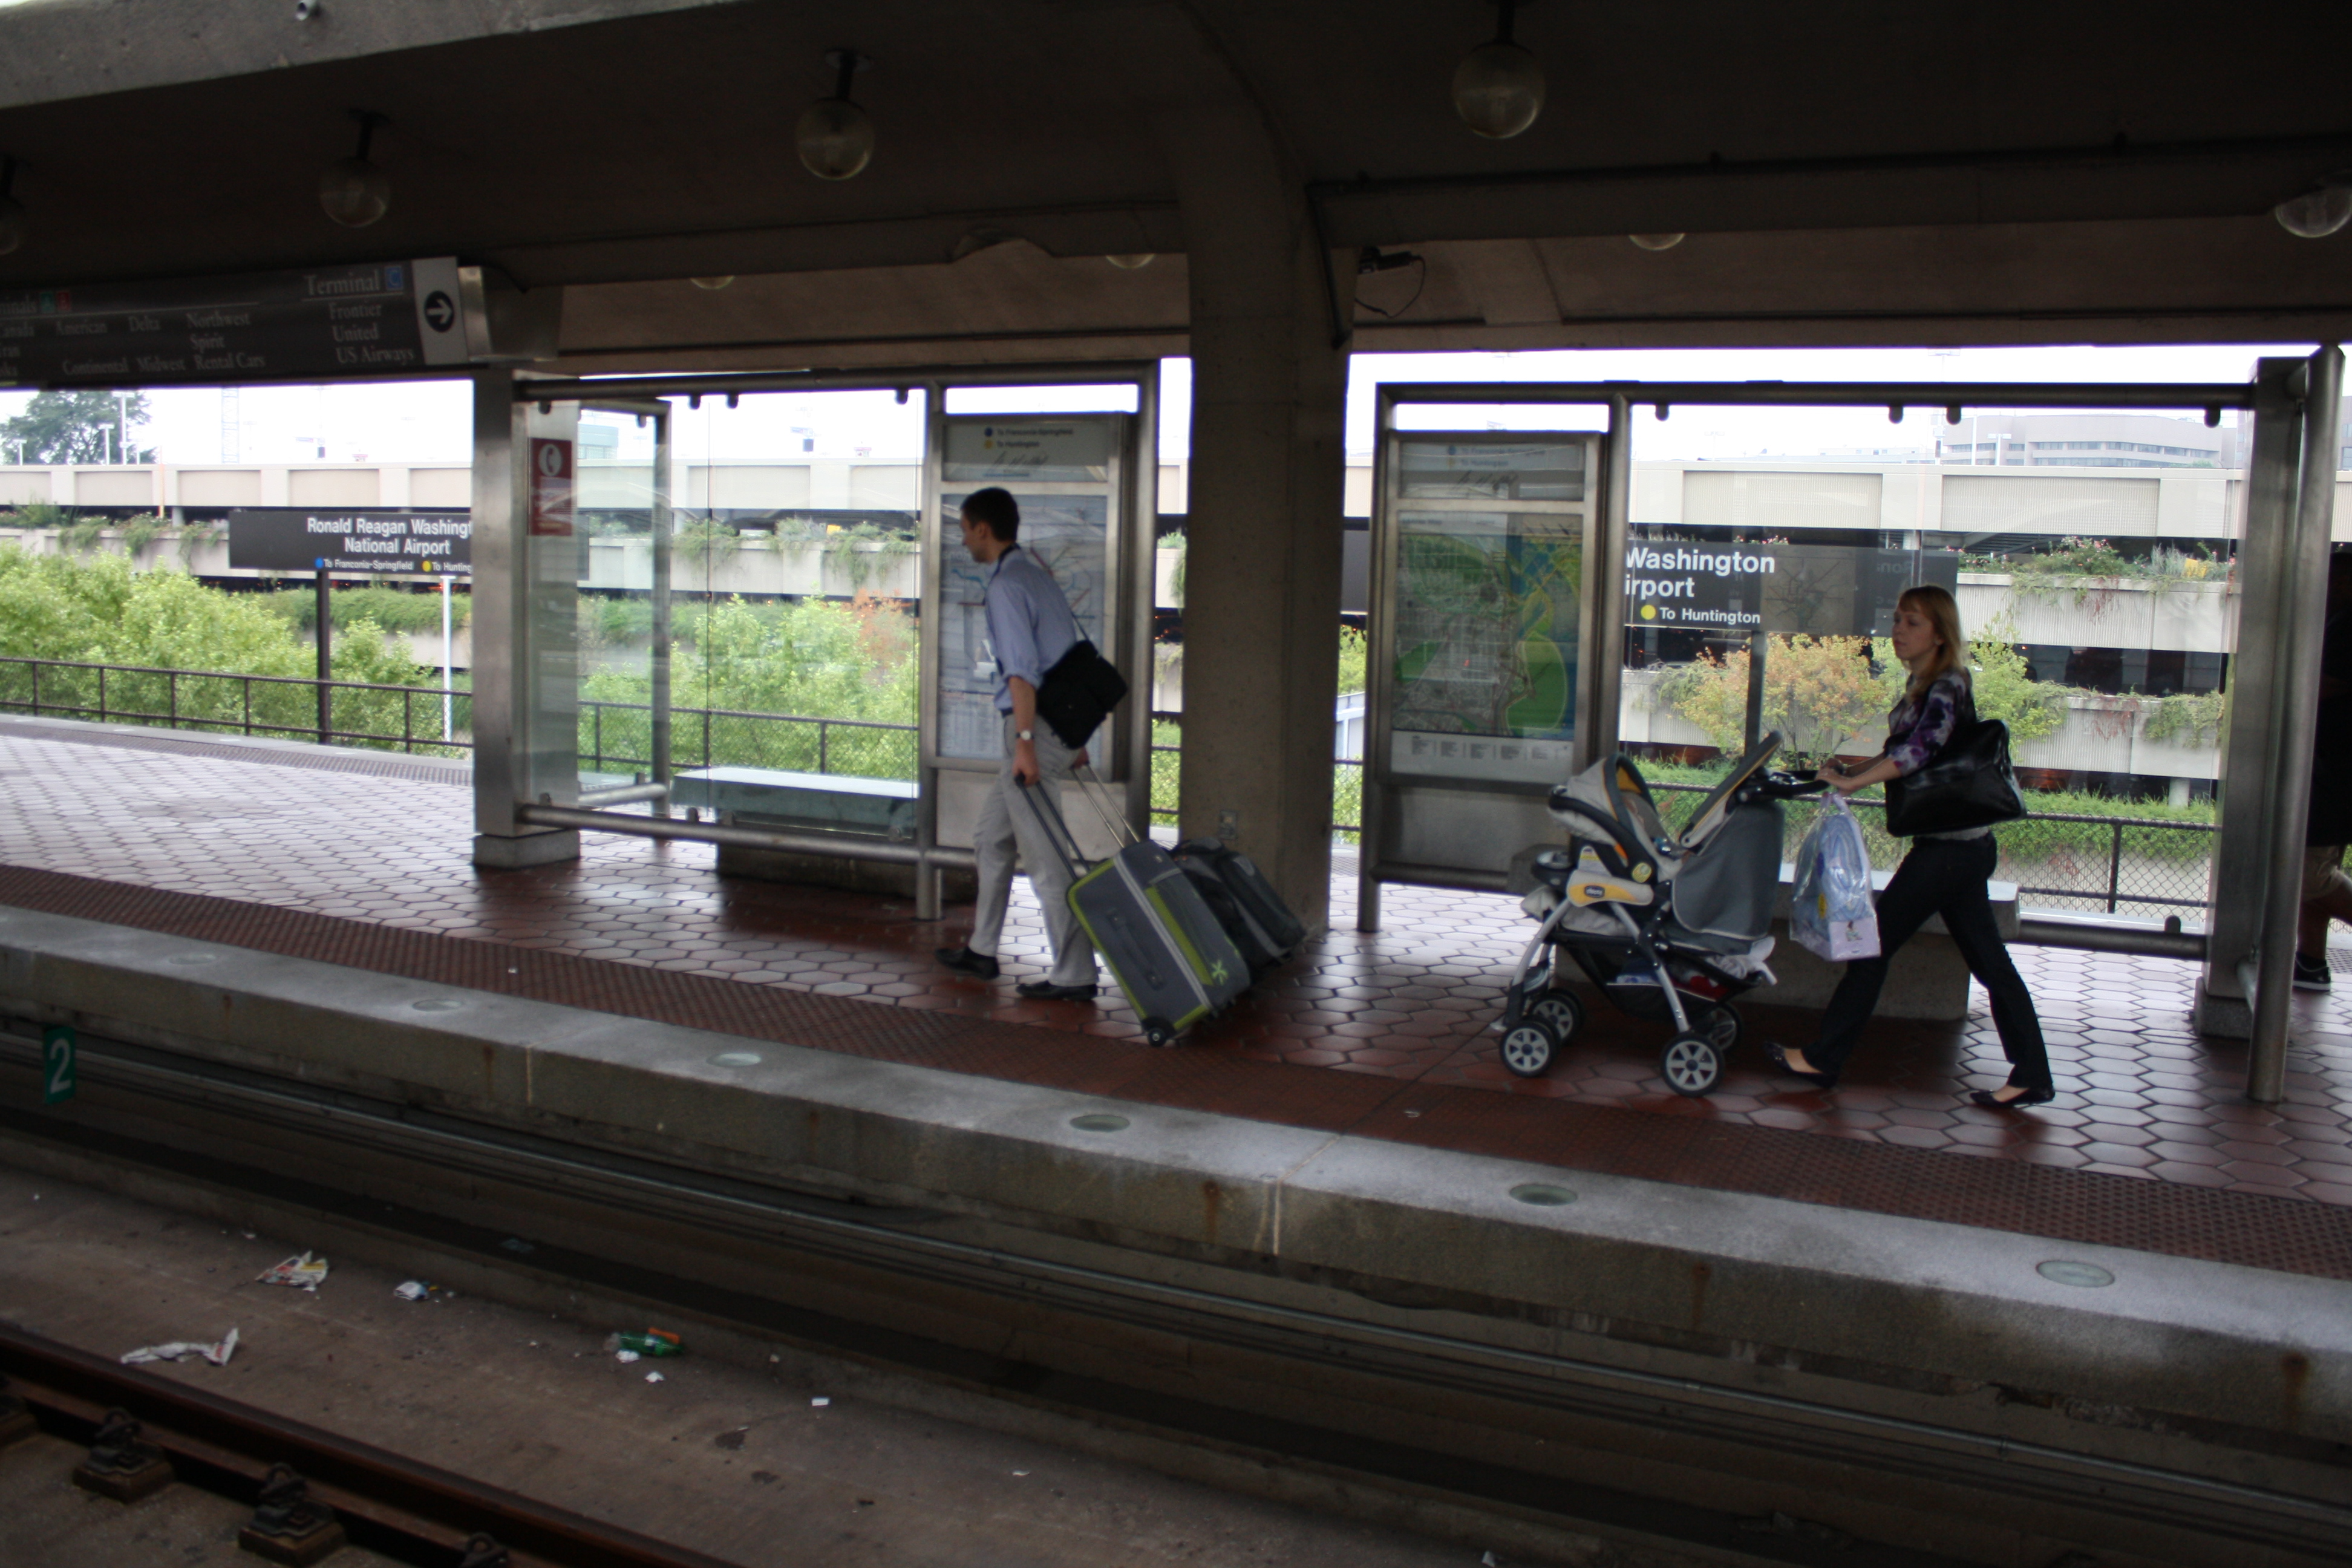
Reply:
x=321, y=730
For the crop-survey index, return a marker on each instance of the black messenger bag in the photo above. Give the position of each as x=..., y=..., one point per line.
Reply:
x=1079, y=692
x=1967, y=784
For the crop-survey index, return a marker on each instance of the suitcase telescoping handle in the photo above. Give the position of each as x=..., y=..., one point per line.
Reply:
x=1120, y=833
x=1041, y=799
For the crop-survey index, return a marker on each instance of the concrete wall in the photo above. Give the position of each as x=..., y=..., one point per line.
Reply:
x=2100, y=735
x=2187, y=616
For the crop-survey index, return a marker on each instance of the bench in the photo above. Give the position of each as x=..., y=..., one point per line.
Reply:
x=819, y=803
x=1927, y=981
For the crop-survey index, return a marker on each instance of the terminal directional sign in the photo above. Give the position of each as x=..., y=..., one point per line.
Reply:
x=299, y=539
x=369, y=318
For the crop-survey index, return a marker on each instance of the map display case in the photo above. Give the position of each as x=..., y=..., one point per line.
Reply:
x=1483, y=630
x=1487, y=612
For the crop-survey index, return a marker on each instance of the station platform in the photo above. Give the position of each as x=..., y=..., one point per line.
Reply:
x=1331, y=1210
x=358, y=858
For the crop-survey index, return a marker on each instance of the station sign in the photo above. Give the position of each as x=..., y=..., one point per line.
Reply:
x=1821, y=590
x=369, y=319
x=388, y=543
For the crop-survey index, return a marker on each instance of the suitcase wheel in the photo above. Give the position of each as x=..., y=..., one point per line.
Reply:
x=1159, y=1032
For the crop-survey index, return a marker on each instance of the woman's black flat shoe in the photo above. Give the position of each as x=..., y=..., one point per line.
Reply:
x=1990, y=1098
x=1780, y=1060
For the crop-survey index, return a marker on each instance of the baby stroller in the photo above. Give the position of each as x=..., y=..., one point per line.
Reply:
x=1670, y=926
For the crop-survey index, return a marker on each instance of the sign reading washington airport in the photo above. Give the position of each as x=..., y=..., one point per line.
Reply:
x=321, y=322
x=296, y=539
x=1821, y=590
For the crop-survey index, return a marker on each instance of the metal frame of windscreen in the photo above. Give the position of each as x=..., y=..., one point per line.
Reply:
x=1128, y=557
x=1130, y=489
x=1598, y=678
x=1474, y=825
x=2249, y=945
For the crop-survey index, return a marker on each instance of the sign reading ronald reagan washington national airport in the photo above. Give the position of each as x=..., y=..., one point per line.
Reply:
x=1823, y=590
x=293, y=539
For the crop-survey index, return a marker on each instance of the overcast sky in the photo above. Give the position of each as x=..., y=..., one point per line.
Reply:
x=427, y=421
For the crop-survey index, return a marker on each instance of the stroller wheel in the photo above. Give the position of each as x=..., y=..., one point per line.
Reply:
x=1529, y=1046
x=1560, y=1012
x=1722, y=1026
x=1691, y=1064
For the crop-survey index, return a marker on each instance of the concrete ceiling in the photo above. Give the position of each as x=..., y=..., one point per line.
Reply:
x=1847, y=172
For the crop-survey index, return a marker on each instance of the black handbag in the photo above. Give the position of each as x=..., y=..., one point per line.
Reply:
x=1078, y=693
x=1966, y=784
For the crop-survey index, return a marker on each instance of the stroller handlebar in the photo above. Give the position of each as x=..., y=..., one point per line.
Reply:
x=1786, y=786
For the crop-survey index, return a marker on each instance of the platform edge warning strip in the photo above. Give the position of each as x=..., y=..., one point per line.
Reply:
x=2290, y=1234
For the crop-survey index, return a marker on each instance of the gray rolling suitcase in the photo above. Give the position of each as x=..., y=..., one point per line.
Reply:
x=1167, y=950
x=1270, y=926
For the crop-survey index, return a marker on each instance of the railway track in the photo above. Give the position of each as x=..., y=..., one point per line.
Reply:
x=1223, y=1317
x=312, y=1491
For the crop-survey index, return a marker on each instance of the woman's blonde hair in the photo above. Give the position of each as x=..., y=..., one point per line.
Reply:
x=1952, y=650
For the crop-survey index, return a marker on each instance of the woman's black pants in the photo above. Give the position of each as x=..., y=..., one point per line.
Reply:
x=1943, y=877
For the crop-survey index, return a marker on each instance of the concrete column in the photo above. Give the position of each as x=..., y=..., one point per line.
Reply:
x=1263, y=498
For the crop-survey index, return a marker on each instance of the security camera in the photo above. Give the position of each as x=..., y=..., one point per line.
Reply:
x=306, y=9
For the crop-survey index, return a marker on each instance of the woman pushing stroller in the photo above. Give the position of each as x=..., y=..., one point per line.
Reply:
x=1943, y=873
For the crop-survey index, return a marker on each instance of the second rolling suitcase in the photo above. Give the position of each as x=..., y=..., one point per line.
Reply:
x=1164, y=946
x=1268, y=919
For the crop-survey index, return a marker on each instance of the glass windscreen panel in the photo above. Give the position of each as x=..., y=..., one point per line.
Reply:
x=2090, y=556
x=1490, y=542
x=621, y=517
x=1063, y=473
x=795, y=587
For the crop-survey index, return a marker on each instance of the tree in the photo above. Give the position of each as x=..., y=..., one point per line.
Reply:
x=1821, y=693
x=75, y=427
x=1829, y=699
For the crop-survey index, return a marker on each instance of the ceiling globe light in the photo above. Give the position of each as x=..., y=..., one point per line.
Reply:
x=712, y=283
x=2320, y=211
x=13, y=228
x=1498, y=88
x=836, y=137
x=353, y=191
x=1132, y=263
x=1655, y=241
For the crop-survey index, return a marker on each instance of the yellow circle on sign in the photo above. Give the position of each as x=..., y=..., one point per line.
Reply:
x=1649, y=612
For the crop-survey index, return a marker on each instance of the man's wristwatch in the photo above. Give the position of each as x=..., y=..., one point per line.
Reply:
x=1024, y=734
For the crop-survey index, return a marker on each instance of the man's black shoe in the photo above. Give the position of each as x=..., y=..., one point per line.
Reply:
x=1047, y=990
x=968, y=961
x=2311, y=973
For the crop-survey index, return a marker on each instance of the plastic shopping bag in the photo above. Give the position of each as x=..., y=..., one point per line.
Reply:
x=1830, y=912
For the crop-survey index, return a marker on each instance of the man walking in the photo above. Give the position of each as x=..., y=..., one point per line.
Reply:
x=1031, y=627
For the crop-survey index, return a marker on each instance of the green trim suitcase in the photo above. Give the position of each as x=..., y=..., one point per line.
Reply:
x=1168, y=951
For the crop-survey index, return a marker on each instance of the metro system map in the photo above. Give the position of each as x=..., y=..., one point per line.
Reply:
x=1487, y=618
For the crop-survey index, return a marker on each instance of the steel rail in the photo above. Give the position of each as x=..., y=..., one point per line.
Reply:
x=2210, y=396
x=207, y=1433
x=1237, y=1313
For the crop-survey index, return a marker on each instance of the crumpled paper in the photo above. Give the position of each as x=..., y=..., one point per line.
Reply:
x=185, y=1350
x=304, y=1273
